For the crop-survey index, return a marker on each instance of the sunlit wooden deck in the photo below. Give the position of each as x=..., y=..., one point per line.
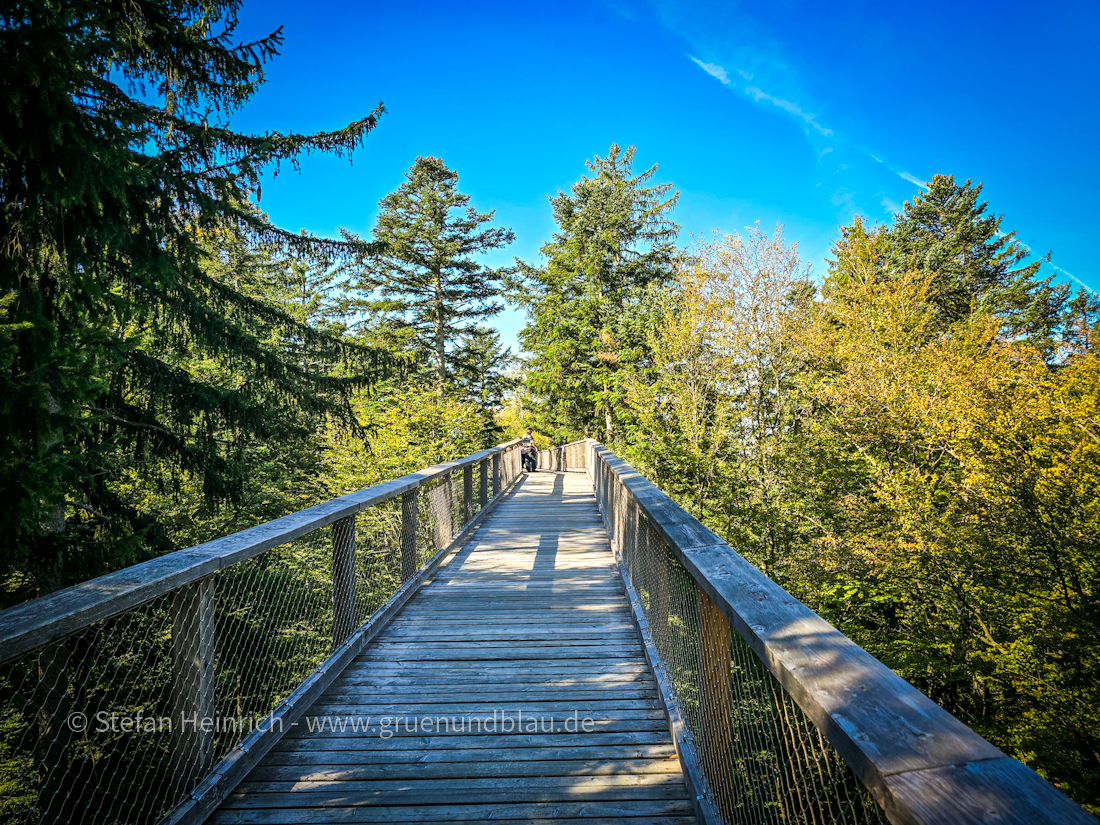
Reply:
x=527, y=620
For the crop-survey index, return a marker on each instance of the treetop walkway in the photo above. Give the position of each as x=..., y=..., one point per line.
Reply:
x=471, y=643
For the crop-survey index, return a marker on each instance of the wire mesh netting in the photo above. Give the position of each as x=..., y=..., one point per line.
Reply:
x=763, y=759
x=121, y=720
x=118, y=721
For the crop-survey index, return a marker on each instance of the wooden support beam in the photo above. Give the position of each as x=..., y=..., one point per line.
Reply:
x=409, y=502
x=496, y=474
x=343, y=580
x=192, y=614
x=483, y=483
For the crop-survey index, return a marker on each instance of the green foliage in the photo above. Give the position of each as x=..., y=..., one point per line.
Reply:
x=122, y=350
x=407, y=429
x=423, y=280
x=944, y=230
x=913, y=453
x=592, y=306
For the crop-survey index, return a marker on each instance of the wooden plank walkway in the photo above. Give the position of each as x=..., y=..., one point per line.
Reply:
x=528, y=620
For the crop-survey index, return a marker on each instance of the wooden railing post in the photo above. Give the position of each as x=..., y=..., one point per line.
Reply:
x=483, y=482
x=192, y=614
x=496, y=474
x=343, y=580
x=715, y=700
x=467, y=494
x=408, y=534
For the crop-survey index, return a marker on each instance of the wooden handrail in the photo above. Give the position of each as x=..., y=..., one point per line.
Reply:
x=920, y=763
x=41, y=621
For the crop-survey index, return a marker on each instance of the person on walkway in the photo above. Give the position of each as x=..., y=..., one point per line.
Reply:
x=528, y=452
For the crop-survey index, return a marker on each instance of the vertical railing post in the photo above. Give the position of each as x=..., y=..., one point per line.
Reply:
x=496, y=474
x=408, y=534
x=483, y=483
x=467, y=494
x=715, y=700
x=192, y=615
x=343, y=580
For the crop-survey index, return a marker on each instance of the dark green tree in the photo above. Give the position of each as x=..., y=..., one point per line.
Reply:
x=484, y=371
x=590, y=308
x=1083, y=322
x=946, y=230
x=118, y=172
x=425, y=281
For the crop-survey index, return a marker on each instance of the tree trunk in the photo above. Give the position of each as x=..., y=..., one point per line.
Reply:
x=440, y=338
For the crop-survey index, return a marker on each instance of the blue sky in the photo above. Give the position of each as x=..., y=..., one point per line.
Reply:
x=804, y=114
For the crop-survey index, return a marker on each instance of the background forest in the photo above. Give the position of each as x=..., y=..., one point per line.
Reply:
x=909, y=444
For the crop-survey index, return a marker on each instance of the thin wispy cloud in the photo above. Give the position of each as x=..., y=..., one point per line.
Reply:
x=1069, y=274
x=787, y=106
x=901, y=173
x=713, y=69
x=720, y=74
x=910, y=178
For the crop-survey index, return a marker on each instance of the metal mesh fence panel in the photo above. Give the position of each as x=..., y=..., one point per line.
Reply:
x=763, y=759
x=378, y=557
x=510, y=466
x=121, y=720
x=566, y=458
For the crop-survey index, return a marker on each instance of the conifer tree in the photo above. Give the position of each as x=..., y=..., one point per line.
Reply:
x=947, y=231
x=425, y=280
x=590, y=307
x=119, y=165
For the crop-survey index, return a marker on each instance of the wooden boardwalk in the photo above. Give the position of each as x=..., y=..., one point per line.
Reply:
x=527, y=621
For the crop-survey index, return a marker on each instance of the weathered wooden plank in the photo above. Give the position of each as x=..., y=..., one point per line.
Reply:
x=598, y=709
x=978, y=793
x=464, y=769
x=669, y=784
x=468, y=742
x=412, y=726
x=451, y=815
x=418, y=694
x=642, y=809
x=447, y=796
x=596, y=754
x=474, y=681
